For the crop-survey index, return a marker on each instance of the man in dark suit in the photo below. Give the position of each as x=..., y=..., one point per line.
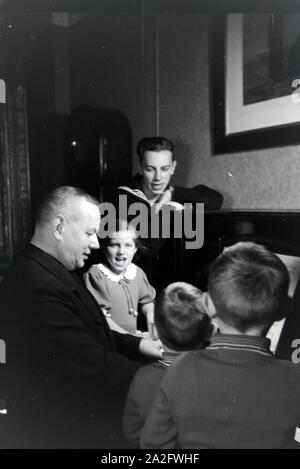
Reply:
x=67, y=373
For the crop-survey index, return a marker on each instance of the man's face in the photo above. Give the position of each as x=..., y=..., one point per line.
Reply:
x=156, y=169
x=78, y=236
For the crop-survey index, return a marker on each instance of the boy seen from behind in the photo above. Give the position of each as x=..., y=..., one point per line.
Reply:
x=182, y=324
x=236, y=393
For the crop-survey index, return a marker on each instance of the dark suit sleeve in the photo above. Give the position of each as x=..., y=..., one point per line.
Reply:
x=85, y=351
x=62, y=363
x=128, y=345
x=56, y=338
x=211, y=198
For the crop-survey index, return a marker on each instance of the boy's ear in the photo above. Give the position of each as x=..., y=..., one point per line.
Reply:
x=208, y=304
x=174, y=164
x=140, y=167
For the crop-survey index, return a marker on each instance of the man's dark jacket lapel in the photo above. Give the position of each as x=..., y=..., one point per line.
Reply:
x=72, y=283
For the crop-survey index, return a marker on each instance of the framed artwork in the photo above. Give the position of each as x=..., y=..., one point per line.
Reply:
x=255, y=65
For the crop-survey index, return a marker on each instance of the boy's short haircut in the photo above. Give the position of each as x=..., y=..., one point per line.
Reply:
x=180, y=317
x=154, y=144
x=62, y=198
x=248, y=285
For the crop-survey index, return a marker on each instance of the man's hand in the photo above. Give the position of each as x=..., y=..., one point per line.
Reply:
x=151, y=348
x=165, y=198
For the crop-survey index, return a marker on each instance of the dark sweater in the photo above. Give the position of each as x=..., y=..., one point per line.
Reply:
x=234, y=394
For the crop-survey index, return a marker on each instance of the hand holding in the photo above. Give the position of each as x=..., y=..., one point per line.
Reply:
x=151, y=348
x=165, y=198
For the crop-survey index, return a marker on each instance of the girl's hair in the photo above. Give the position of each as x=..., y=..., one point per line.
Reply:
x=122, y=225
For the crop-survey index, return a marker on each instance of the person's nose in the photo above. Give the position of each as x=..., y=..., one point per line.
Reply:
x=121, y=249
x=157, y=175
x=94, y=242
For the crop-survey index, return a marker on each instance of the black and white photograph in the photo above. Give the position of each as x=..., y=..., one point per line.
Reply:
x=149, y=227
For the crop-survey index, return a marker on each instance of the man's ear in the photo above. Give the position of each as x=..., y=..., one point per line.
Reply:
x=174, y=164
x=139, y=167
x=208, y=304
x=58, y=226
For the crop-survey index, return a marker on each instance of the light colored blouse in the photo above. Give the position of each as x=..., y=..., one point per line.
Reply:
x=119, y=295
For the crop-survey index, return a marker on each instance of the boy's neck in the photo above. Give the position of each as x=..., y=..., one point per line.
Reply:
x=258, y=331
x=167, y=349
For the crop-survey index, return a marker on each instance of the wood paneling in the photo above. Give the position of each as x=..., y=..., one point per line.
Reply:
x=15, y=225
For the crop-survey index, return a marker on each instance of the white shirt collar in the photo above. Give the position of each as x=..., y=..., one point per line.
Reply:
x=129, y=273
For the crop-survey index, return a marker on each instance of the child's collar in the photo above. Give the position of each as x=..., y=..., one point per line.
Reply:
x=128, y=275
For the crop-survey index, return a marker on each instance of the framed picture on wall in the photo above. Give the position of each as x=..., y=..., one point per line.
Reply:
x=255, y=65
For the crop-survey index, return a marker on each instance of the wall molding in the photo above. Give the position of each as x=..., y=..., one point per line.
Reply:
x=15, y=214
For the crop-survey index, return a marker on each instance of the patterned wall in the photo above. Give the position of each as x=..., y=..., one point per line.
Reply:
x=266, y=179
